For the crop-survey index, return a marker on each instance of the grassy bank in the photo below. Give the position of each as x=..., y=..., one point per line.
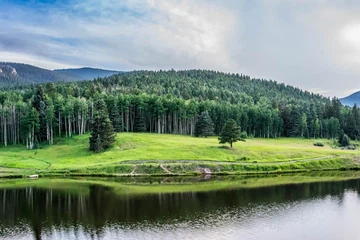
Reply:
x=139, y=154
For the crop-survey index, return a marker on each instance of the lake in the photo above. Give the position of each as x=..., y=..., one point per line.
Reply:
x=151, y=208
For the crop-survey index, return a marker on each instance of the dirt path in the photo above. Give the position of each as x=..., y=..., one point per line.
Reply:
x=165, y=169
x=133, y=171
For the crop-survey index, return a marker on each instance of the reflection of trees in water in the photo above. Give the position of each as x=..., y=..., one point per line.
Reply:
x=45, y=210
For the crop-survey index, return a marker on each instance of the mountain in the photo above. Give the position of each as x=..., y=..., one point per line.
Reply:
x=19, y=73
x=351, y=100
x=87, y=73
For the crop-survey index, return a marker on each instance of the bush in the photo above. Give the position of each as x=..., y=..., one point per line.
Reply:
x=351, y=147
x=318, y=144
x=345, y=141
x=243, y=135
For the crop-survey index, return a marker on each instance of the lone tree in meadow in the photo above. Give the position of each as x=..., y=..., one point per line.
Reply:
x=230, y=133
x=204, y=126
x=102, y=132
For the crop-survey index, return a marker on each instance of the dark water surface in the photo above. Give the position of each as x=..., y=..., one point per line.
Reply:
x=325, y=210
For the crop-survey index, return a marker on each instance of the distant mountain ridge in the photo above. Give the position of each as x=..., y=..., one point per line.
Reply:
x=351, y=99
x=87, y=73
x=19, y=73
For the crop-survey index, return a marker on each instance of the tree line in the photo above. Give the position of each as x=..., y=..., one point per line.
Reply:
x=170, y=102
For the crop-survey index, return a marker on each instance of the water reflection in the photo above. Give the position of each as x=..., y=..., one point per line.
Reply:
x=101, y=213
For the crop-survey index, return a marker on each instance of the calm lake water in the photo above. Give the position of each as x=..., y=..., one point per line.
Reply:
x=324, y=210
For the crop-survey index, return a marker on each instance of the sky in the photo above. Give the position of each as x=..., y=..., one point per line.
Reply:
x=310, y=44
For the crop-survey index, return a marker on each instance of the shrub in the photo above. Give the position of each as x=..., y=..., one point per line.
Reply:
x=351, y=147
x=345, y=141
x=243, y=135
x=318, y=144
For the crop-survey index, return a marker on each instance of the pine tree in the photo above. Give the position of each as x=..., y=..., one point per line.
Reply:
x=139, y=121
x=102, y=132
x=115, y=118
x=39, y=104
x=345, y=141
x=98, y=145
x=230, y=133
x=204, y=126
x=341, y=136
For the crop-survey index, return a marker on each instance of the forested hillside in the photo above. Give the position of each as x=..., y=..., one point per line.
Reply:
x=87, y=73
x=16, y=74
x=170, y=102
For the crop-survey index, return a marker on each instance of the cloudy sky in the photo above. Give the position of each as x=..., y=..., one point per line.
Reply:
x=314, y=45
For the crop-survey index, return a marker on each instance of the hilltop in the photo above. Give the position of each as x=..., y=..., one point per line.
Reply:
x=87, y=73
x=13, y=74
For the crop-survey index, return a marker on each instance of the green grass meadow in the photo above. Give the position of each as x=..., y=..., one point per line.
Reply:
x=146, y=149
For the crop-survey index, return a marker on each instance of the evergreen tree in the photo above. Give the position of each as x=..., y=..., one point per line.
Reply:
x=350, y=127
x=116, y=118
x=204, y=126
x=139, y=121
x=230, y=133
x=98, y=145
x=341, y=136
x=102, y=132
x=295, y=120
x=40, y=106
x=345, y=141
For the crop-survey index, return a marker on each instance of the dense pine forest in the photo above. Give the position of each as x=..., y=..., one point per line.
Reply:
x=170, y=102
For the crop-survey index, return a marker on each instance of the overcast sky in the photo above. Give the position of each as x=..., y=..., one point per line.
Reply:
x=314, y=45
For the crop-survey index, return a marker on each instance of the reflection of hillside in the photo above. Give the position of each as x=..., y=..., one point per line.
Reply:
x=46, y=209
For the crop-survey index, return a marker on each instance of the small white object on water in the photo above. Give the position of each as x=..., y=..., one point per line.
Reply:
x=34, y=176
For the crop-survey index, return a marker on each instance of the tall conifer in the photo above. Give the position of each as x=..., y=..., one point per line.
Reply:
x=102, y=131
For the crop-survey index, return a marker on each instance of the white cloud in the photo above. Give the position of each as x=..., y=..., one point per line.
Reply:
x=36, y=61
x=311, y=45
x=157, y=34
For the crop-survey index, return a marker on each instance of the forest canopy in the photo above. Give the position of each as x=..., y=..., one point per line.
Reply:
x=170, y=102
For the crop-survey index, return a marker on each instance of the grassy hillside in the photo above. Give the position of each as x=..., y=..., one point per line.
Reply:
x=150, y=153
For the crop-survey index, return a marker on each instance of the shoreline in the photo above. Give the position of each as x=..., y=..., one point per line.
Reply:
x=67, y=174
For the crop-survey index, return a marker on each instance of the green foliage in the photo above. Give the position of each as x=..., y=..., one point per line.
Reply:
x=102, y=133
x=230, y=133
x=243, y=135
x=98, y=145
x=351, y=147
x=114, y=114
x=345, y=141
x=204, y=126
x=341, y=136
x=139, y=122
x=318, y=144
x=181, y=154
x=169, y=102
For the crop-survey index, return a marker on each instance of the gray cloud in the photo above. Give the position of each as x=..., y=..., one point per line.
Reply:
x=313, y=45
